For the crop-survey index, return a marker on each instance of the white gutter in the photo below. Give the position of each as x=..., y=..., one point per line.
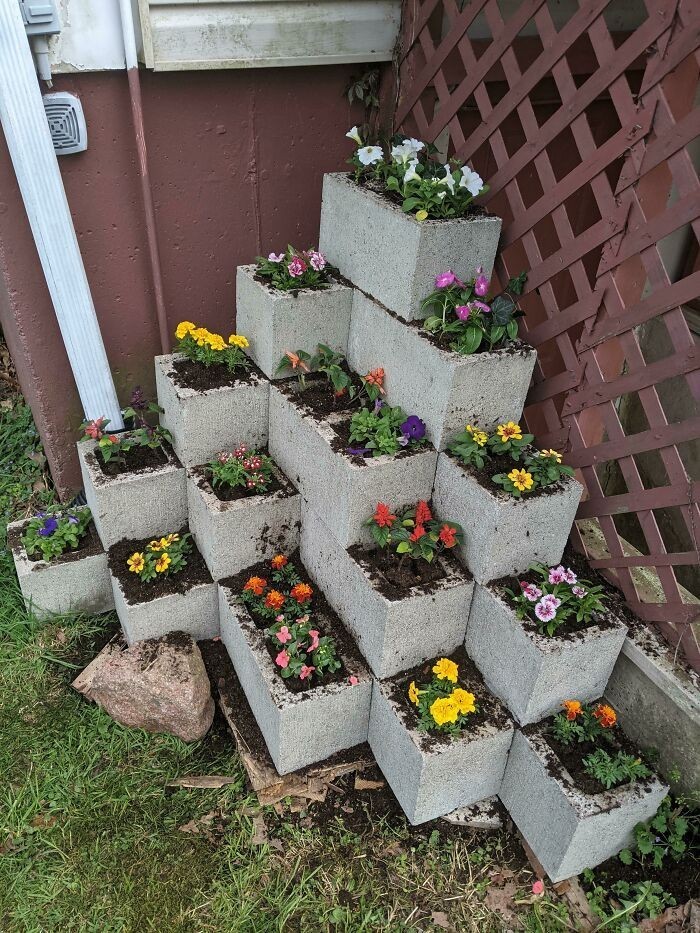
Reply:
x=36, y=167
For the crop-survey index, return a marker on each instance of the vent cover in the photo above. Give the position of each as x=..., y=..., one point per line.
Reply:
x=66, y=122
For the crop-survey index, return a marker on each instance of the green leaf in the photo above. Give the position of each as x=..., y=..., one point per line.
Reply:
x=471, y=339
x=626, y=857
x=410, y=203
x=403, y=547
x=502, y=309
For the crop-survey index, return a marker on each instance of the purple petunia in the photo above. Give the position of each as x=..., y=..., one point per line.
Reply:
x=48, y=528
x=413, y=428
x=378, y=405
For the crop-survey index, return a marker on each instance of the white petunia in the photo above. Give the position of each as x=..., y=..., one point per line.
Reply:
x=472, y=181
x=411, y=173
x=448, y=180
x=368, y=155
x=402, y=153
x=414, y=144
x=354, y=135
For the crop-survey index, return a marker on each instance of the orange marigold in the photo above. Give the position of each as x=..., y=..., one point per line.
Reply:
x=302, y=592
x=274, y=600
x=256, y=585
x=383, y=516
x=573, y=708
x=279, y=560
x=606, y=715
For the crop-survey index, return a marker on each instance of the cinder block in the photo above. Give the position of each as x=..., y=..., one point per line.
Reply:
x=343, y=491
x=61, y=586
x=432, y=778
x=276, y=321
x=447, y=390
x=205, y=423
x=532, y=673
x=133, y=505
x=504, y=535
x=393, y=635
x=567, y=829
x=195, y=611
x=236, y=534
x=299, y=728
x=393, y=256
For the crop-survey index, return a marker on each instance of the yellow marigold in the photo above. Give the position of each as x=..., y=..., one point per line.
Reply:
x=521, y=479
x=446, y=670
x=135, y=562
x=201, y=335
x=183, y=329
x=443, y=710
x=216, y=342
x=413, y=693
x=162, y=563
x=510, y=431
x=156, y=544
x=466, y=702
x=554, y=454
x=238, y=340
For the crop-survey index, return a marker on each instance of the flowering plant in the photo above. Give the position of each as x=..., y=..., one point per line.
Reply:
x=294, y=269
x=442, y=705
x=383, y=430
x=162, y=557
x=201, y=346
x=593, y=725
x=324, y=360
x=414, y=532
x=558, y=596
x=475, y=447
x=422, y=184
x=462, y=313
x=52, y=535
x=115, y=446
x=241, y=467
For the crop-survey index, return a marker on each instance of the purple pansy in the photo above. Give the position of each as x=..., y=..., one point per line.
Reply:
x=357, y=451
x=413, y=428
x=378, y=405
x=48, y=528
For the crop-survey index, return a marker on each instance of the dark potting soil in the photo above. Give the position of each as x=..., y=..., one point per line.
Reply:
x=503, y=464
x=135, y=591
x=341, y=442
x=473, y=211
x=203, y=477
x=681, y=879
x=136, y=460
x=189, y=374
x=318, y=607
x=88, y=545
x=319, y=398
x=489, y=711
x=393, y=575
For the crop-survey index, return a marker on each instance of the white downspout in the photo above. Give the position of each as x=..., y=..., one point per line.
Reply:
x=36, y=167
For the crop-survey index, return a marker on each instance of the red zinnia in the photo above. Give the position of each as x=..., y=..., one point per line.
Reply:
x=423, y=513
x=383, y=516
x=448, y=535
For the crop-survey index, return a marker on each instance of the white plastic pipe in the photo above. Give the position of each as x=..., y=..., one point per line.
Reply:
x=36, y=167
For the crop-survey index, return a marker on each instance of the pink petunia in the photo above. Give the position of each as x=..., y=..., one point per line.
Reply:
x=306, y=671
x=481, y=283
x=284, y=635
x=445, y=279
x=463, y=312
x=276, y=257
x=282, y=659
x=531, y=592
x=482, y=306
x=557, y=574
x=545, y=611
x=297, y=267
x=570, y=576
x=317, y=260
x=579, y=591
x=552, y=600
x=313, y=634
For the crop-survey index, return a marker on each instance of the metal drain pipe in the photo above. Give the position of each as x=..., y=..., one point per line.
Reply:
x=36, y=169
x=132, y=71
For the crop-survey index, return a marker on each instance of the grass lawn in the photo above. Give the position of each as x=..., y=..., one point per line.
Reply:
x=92, y=838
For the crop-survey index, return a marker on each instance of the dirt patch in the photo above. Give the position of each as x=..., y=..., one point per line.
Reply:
x=135, y=591
x=188, y=374
x=395, y=575
x=136, y=460
x=88, y=546
x=319, y=398
x=503, y=464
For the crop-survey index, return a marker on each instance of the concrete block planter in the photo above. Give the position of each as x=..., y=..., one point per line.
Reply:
x=192, y=607
x=532, y=673
x=133, y=505
x=392, y=634
x=299, y=728
x=75, y=582
x=275, y=321
x=434, y=775
x=445, y=389
x=390, y=254
x=567, y=829
x=236, y=534
x=205, y=423
x=504, y=535
x=343, y=490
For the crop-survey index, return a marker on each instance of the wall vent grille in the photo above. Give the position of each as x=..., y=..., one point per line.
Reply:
x=64, y=113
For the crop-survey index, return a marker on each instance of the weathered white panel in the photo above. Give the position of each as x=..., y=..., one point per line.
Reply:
x=187, y=34
x=90, y=37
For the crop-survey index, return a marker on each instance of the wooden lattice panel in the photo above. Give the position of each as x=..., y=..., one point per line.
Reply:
x=584, y=121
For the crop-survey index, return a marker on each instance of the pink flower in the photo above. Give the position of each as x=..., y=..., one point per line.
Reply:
x=317, y=260
x=302, y=620
x=545, y=611
x=557, y=574
x=276, y=257
x=282, y=659
x=570, y=576
x=306, y=671
x=279, y=618
x=297, y=267
x=353, y=681
x=538, y=888
x=552, y=600
x=445, y=279
x=579, y=591
x=481, y=283
x=313, y=634
x=284, y=635
x=531, y=592
x=463, y=312
x=482, y=306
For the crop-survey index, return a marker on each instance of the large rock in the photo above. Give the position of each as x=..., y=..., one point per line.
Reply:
x=160, y=685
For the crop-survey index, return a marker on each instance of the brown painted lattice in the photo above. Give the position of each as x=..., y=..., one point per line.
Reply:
x=582, y=118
